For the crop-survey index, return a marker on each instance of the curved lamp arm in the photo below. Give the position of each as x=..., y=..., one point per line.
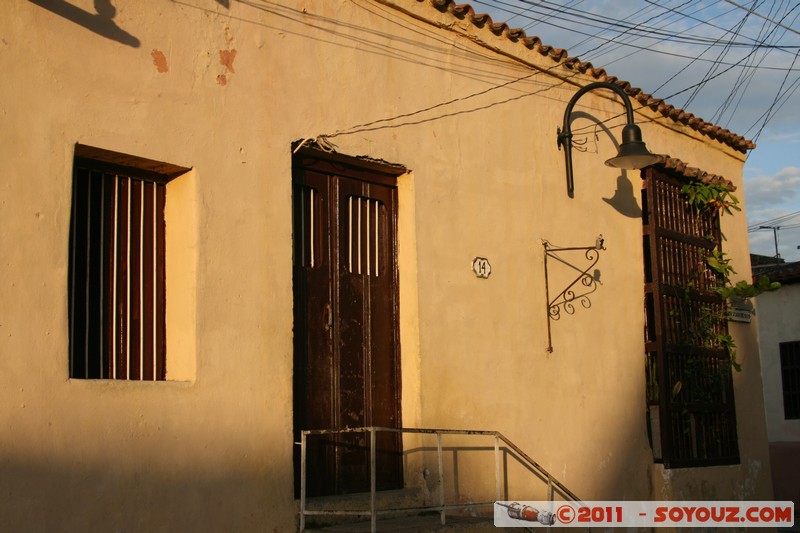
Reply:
x=632, y=151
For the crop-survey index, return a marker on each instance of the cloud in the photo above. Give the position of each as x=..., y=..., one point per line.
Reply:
x=765, y=195
x=769, y=197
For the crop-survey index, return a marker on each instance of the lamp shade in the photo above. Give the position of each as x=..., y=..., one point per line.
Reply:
x=632, y=151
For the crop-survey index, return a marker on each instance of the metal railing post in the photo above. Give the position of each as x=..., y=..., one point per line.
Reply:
x=372, y=481
x=496, y=468
x=303, y=437
x=441, y=475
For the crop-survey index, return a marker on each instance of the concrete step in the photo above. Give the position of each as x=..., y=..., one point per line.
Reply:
x=384, y=499
x=394, y=517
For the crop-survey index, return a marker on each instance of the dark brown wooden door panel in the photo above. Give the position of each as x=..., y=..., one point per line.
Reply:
x=346, y=342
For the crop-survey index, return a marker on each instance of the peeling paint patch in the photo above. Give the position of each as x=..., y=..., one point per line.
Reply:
x=226, y=58
x=159, y=60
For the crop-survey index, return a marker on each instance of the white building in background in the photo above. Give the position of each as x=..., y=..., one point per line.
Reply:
x=779, y=344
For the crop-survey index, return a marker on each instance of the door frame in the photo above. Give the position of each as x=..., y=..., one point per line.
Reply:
x=341, y=170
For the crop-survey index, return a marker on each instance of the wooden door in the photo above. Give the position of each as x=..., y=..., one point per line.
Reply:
x=346, y=341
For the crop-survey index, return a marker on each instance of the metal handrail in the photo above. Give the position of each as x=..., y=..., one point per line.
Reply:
x=553, y=485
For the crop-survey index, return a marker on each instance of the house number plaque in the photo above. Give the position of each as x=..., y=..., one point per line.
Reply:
x=481, y=267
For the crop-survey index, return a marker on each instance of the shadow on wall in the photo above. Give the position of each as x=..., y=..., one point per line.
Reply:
x=624, y=200
x=101, y=23
x=471, y=473
x=39, y=497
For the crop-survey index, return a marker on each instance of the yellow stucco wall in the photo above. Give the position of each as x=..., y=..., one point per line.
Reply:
x=225, y=91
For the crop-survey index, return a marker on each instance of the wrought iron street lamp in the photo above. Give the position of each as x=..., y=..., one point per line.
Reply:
x=632, y=151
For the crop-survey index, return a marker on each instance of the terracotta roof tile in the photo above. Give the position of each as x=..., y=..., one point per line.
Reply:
x=693, y=173
x=465, y=11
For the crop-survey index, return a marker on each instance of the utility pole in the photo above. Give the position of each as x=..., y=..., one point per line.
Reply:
x=775, y=235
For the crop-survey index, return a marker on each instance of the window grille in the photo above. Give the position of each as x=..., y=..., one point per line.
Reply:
x=364, y=240
x=117, y=296
x=691, y=412
x=309, y=227
x=790, y=379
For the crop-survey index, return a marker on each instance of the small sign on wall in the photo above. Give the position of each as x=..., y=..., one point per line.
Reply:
x=481, y=267
x=736, y=314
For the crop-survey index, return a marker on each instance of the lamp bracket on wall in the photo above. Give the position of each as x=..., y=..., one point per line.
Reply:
x=632, y=152
x=579, y=289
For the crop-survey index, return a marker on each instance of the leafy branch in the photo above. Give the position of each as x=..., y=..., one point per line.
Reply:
x=709, y=201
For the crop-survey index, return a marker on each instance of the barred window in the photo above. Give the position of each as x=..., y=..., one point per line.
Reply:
x=690, y=404
x=117, y=293
x=790, y=379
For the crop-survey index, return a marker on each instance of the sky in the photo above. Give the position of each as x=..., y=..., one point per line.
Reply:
x=735, y=63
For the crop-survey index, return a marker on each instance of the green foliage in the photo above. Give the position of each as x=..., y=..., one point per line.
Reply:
x=703, y=328
x=720, y=264
x=710, y=198
x=704, y=325
x=746, y=290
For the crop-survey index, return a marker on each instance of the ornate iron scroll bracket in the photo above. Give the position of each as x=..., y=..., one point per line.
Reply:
x=577, y=291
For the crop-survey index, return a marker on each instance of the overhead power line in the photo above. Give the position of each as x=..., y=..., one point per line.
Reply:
x=773, y=222
x=671, y=28
x=505, y=7
x=763, y=17
x=592, y=20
